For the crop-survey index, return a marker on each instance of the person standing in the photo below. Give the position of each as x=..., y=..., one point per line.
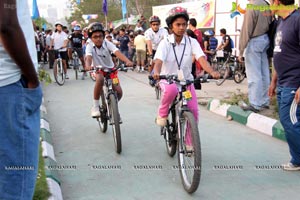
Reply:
x=140, y=45
x=123, y=40
x=253, y=44
x=20, y=99
x=198, y=33
x=286, y=77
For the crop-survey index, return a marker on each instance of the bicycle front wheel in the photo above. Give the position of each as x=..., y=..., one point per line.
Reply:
x=169, y=132
x=239, y=73
x=115, y=122
x=189, y=157
x=102, y=120
x=224, y=71
x=58, y=73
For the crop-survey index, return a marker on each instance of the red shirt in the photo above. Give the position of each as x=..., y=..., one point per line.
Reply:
x=198, y=33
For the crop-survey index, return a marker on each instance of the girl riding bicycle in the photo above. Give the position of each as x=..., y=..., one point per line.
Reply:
x=99, y=52
x=174, y=56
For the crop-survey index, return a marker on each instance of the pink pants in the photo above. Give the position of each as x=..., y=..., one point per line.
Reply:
x=169, y=92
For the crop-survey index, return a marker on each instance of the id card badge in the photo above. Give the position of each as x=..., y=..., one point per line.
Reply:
x=180, y=75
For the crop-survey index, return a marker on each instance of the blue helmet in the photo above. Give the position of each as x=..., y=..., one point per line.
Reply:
x=209, y=32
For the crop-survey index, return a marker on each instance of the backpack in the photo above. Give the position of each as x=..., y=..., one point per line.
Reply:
x=271, y=33
x=231, y=43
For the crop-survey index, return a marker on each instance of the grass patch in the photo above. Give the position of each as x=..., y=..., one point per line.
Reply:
x=236, y=97
x=41, y=188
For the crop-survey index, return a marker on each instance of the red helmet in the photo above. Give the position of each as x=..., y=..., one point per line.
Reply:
x=154, y=19
x=176, y=12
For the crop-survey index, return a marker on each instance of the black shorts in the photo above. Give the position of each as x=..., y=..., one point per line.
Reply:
x=63, y=54
x=153, y=53
x=79, y=52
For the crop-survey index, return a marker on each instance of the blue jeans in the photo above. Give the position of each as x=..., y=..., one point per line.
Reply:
x=257, y=70
x=285, y=97
x=19, y=140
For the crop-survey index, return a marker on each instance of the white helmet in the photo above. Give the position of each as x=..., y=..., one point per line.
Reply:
x=58, y=23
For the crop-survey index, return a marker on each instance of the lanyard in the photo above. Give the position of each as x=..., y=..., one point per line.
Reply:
x=179, y=63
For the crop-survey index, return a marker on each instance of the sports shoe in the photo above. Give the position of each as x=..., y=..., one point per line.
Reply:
x=161, y=121
x=95, y=112
x=67, y=77
x=291, y=167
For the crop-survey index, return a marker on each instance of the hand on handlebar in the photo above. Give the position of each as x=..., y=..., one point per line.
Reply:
x=129, y=63
x=215, y=74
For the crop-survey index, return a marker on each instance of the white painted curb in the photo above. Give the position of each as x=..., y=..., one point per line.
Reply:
x=261, y=123
x=54, y=189
x=218, y=108
x=45, y=125
x=48, y=150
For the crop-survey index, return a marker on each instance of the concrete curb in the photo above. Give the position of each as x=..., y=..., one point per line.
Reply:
x=52, y=175
x=255, y=121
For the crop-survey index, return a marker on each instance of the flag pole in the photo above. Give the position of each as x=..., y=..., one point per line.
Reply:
x=106, y=22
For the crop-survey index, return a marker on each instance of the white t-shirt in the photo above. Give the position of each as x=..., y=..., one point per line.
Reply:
x=102, y=56
x=59, y=39
x=156, y=37
x=9, y=71
x=166, y=54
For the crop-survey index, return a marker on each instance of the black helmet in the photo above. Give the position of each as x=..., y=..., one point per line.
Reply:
x=176, y=12
x=154, y=18
x=96, y=26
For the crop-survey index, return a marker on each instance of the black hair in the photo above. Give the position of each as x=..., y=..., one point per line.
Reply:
x=223, y=30
x=193, y=22
x=287, y=2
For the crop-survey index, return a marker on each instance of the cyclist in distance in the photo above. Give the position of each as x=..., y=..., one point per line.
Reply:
x=174, y=57
x=99, y=52
x=77, y=40
x=59, y=40
x=153, y=36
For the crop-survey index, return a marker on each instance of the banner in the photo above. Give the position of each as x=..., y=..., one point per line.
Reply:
x=104, y=7
x=202, y=10
x=35, y=10
x=124, y=8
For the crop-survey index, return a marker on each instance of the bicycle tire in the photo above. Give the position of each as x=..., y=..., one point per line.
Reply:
x=102, y=120
x=169, y=131
x=224, y=71
x=58, y=73
x=157, y=92
x=239, y=74
x=76, y=73
x=184, y=167
x=115, y=122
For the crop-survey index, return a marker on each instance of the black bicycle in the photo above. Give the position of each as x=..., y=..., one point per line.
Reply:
x=109, y=111
x=180, y=121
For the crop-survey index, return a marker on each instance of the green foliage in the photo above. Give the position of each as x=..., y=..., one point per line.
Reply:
x=41, y=21
x=134, y=7
x=41, y=188
x=235, y=98
x=44, y=76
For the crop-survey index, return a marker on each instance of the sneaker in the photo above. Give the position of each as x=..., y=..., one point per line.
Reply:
x=291, y=167
x=161, y=121
x=67, y=77
x=82, y=77
x=95, y=112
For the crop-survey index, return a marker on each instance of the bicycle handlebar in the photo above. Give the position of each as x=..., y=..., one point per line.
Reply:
x=202, y=79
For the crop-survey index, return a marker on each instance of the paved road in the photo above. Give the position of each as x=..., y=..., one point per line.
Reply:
x=235, y=158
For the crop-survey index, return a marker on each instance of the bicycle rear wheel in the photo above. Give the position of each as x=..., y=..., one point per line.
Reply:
x=169, y=132
x=224, y=71
x=102, y=120
x=189, y=160
x=58, y=73
x=115, y=122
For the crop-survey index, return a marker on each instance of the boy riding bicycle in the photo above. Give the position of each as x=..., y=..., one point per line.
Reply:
x=99, y=52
